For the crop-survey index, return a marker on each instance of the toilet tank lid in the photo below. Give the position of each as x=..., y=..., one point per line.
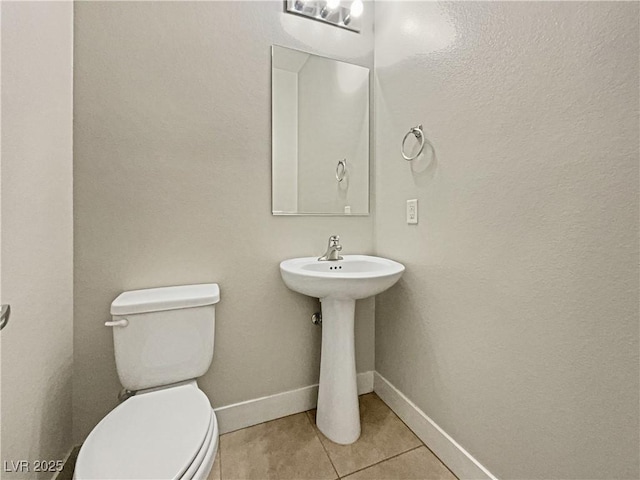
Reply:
x=165, y=298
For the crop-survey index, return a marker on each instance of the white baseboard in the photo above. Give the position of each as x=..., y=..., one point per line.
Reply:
x=259, y=410
x=459, y=461
x=365, y=382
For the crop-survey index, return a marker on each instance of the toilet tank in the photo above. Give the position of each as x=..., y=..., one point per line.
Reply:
x=163, y=335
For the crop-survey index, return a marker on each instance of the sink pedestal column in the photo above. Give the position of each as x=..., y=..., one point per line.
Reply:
x=338, y=414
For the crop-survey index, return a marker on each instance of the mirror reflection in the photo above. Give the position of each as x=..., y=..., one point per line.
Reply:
x=320, y=135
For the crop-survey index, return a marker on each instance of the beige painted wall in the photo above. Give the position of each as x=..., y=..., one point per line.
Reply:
x=173, y=186
x=515, y=326
x=37, y=232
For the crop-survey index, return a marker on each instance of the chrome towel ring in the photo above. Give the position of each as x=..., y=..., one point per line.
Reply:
x=341, y=173
x=419, y=134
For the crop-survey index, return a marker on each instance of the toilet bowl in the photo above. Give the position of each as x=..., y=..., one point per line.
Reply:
x=167, y=433
x=166, y=430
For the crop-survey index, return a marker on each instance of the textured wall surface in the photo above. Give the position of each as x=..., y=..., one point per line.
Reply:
x=37, y=232
x=172, y=185
x=515, y=326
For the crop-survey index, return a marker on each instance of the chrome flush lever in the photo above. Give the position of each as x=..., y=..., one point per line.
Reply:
x=123, y=322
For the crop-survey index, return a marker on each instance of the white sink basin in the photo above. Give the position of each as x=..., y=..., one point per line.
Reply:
x=338, y=284
x=354, y=277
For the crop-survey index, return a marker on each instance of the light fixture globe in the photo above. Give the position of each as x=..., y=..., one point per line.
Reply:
x=329, y=7
x=357, y=7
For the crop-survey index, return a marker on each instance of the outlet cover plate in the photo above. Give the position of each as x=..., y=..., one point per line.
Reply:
x=412, y=211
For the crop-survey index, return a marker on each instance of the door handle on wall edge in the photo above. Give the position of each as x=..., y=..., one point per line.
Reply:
x=5, y=312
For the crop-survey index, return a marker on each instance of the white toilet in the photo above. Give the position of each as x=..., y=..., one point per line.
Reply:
x=163, y=340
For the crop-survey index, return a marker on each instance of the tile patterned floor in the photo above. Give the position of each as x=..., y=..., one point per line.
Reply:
x=292, y=448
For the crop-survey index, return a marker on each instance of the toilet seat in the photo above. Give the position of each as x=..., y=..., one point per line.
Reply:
x=169, y=433
x=201, y=465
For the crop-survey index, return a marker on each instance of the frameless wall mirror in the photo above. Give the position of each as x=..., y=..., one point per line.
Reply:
x=320, y=135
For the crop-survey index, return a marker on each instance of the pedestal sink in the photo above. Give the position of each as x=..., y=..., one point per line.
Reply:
x=338, y=284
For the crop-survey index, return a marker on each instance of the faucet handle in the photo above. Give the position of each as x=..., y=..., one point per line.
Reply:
x=332, y=250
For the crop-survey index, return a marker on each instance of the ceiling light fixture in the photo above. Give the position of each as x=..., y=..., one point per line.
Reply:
x=340, y=13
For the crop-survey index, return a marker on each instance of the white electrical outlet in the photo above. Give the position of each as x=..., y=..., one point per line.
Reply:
x=412, y=211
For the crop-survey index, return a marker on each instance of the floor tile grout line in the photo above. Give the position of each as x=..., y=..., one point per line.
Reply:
x=382, y=461
x=445, y=465
x=317, y=432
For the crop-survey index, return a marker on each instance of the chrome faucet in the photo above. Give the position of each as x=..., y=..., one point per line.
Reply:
x=332, y=250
